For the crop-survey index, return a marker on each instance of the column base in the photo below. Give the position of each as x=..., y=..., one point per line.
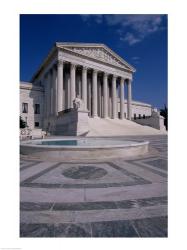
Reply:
x=95, y=116
x=105, y=117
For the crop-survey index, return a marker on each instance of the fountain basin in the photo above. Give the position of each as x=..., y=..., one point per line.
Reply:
x=83, y=148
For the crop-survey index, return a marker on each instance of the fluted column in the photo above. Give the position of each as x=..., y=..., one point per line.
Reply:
x=84, y=86
x=105, y=95
x=60, y=86
x=48, y=94
x=114, y=100
x=54, y=82
x=89, y=103
x=129, y=99
x=51, y=92
x=94, y=93
x=122, y=98
x=72, y=84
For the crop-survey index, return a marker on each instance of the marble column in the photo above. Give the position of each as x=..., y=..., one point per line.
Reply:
x=105, y=95
x=99, y=97
x=129, y=100
x=122, y=98
x=89, y=99
x=109, y=98
x=44, y=83
x=94, y=93
x=51, y=92
x=48, y=105
x=84, y=86
x=60, y=86
x=54, y=82
x=67, y=90
x=114, y=99
x=72, y=83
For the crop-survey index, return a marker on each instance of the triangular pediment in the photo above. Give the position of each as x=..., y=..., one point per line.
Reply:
x=98, y=52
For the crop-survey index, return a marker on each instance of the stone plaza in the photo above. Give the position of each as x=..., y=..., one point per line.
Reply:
x=106, y=198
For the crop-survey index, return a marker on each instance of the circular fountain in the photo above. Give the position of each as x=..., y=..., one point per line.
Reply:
x=75, y=148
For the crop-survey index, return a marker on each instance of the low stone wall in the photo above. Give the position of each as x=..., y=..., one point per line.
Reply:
x=27, y=133
x=154, y=121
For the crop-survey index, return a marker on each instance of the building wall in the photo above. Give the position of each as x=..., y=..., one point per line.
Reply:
x=138, y=108
x=155, y=121
x=31, y=95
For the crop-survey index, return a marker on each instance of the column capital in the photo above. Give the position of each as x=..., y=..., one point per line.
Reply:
x=95, y=71
x=60, y=63
x=129, y=81
x=114, y=77
x=105, y=74
x=122, y=80
x=73, y=66
x=84, y=68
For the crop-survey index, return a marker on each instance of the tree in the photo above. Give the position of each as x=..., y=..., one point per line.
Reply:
x=164, y=113
x=22, y=123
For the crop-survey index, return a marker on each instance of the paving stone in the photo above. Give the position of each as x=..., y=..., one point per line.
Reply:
x=36, y=230
x=72, y=230
x=31, y=206
x=151, y=227
x=85, y=206
x=152, y=201
x=84, y=172
x=77, y=206
x=113, y=229
x=159, y=163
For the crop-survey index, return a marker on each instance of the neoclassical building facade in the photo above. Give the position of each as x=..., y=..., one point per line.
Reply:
x=90, y=72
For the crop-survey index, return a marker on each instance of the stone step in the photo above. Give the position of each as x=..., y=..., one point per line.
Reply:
x=110, y=127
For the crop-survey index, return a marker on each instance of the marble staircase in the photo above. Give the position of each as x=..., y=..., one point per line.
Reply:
x=117, y=127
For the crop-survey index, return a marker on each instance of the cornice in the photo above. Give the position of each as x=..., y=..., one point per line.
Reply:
x=30, y=86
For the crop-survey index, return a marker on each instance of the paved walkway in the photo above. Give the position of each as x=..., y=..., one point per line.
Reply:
x=109, y=198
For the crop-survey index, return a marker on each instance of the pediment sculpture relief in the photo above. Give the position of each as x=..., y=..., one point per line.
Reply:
x=98, y=53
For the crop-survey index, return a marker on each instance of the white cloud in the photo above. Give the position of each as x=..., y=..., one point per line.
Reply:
x=139, y=26
x=130, y=38
x=135, y=59
x=95, y=17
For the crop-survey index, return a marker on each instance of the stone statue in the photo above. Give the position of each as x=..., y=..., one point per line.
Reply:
x=78, y=104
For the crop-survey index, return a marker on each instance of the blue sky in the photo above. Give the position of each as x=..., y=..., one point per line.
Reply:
x=140, y=39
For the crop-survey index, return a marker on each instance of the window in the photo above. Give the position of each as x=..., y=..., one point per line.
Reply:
x=24, y=107
x=134, y=116
x=37, y=109
x=36, y=124
x=139, y=116
x=143, y=116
